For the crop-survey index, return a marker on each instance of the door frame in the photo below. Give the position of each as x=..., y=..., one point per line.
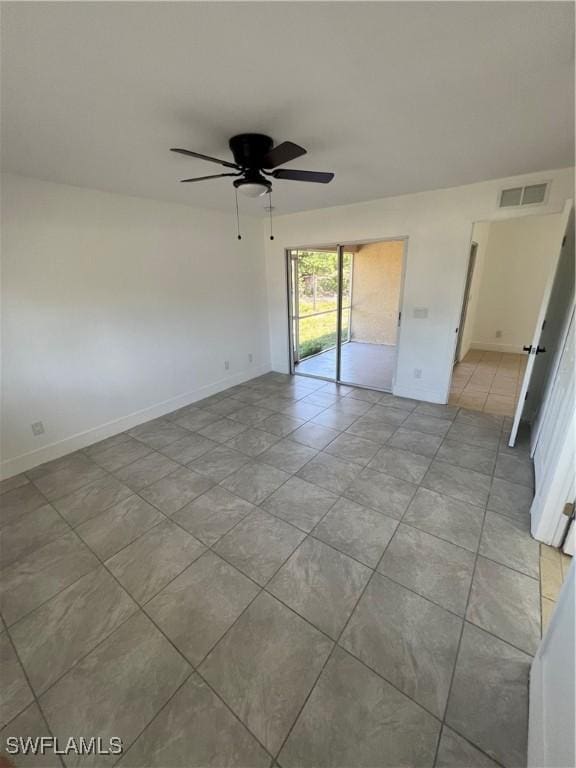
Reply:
x=339, y=304
x=511, y=215
x=466, y=298
x=568, y=320
x=290, y=293
x=340, y=248
x=567, y=213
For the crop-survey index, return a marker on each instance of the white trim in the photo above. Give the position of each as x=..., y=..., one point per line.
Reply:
x=557, y=488
x=501, y=214
x=80, y=440
x=552, y=689
x=456, y=335
x=343, y=242
x=566, y=214
x=472, y=262
x=541, y=415
x=555, y=454
x=510, y=348
x=569, y=547
x=400, y=309
x=419, y=393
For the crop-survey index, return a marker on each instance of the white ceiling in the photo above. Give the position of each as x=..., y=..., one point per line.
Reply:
x=392, y=97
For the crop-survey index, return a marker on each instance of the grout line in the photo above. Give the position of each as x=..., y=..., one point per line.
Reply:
x=32, y=691
x=162, y=708
x=254, y=459
x=336, y=644
x=475, y=746
x=94, y=648
x=139, y=609
x=234, y=714
x=457, y=657
x=498, y=367
x=389, y=682
x=261, y=588
x=43, y=603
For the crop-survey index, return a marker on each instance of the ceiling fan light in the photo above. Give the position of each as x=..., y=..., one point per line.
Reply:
x=253, y=188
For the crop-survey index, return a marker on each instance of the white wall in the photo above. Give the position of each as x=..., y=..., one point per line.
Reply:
x=518, y=257
x=439, y=227
x=116, y=310
x=480, y=234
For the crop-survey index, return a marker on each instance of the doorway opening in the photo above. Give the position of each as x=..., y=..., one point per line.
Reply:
x=512, y=269
x=345, y=311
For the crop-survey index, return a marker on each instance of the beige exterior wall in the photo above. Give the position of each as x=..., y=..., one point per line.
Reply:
x=376, y=292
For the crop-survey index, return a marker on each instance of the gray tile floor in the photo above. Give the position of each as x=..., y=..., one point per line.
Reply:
x=288, y=573
x=369, y=365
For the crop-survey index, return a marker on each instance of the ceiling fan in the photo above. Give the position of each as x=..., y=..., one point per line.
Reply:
x=255, y=158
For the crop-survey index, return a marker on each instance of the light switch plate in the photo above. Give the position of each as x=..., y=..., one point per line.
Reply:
x=420, y=312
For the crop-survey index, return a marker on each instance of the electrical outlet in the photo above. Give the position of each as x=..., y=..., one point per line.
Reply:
x=250, y=358
x=498, y=334
x=226, y=365
x=37, y=428
x=417, y=373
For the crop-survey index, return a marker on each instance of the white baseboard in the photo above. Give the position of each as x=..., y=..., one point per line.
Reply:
x=489, y=347
x=418, y=393
x=60, y=448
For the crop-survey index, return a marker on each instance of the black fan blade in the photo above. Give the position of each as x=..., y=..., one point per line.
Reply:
x=215, y=176
x=225, y=163
x=282, y=154
x=289, y=173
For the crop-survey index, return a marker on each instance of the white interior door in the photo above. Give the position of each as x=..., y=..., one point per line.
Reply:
x=555, y=454
x=554, y=335
x=535, y=346
x=551, y=742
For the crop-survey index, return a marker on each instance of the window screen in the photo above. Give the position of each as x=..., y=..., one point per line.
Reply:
x=510, y=197
x=534, y=194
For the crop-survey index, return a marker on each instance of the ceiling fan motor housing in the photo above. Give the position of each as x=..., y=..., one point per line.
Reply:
x=256, y=157
x=250, y=149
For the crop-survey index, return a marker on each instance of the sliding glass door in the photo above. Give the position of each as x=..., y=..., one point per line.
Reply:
x=345, y=311
x=315, y=285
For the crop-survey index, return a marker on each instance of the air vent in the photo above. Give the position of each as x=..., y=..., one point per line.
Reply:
x=510, y=197
x=534, y=194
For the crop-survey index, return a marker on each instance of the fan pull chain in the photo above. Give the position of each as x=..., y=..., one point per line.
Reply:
x=270, y=212
x=237, y=216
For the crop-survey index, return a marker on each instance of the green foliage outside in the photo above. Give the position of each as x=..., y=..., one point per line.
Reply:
x=319, y=332
x=320, y=270
x=318, y=292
